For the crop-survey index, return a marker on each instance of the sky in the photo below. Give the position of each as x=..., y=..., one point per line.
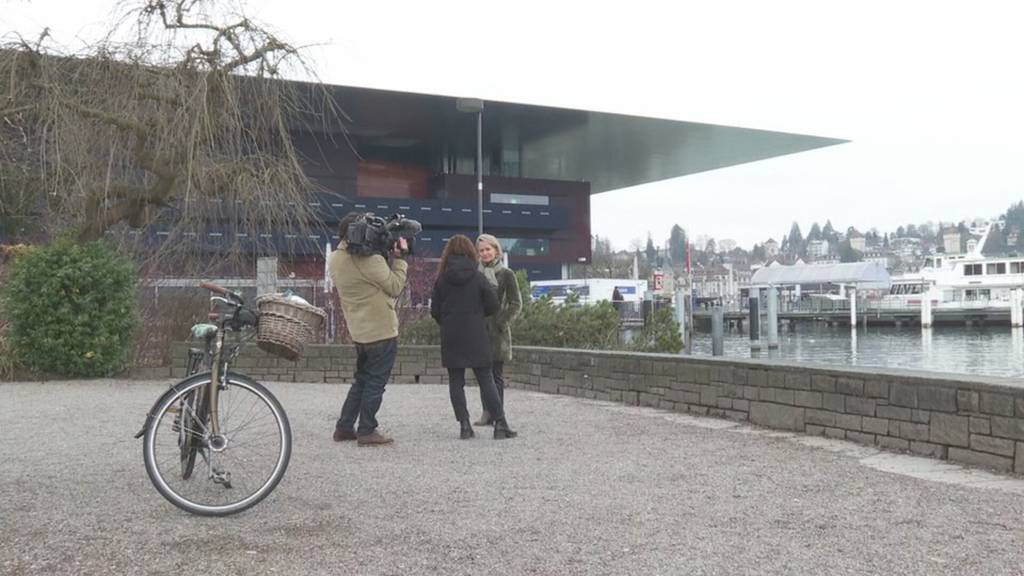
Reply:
x=929, y=93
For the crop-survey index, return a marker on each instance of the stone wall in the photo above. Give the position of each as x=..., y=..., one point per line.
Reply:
x=973, y=420
x=414, y=365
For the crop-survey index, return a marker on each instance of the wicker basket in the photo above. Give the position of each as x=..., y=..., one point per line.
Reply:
x=285, y=326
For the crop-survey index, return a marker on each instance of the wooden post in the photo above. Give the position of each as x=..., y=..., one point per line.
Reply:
x=755, y=320
x=717, y=331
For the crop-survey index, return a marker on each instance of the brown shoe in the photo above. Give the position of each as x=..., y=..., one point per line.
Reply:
x=374, y=439
x=342, y=436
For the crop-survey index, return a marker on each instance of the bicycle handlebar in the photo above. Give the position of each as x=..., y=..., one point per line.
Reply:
x=216, y=289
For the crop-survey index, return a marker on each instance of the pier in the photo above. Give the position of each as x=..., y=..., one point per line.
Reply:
x=947, y=313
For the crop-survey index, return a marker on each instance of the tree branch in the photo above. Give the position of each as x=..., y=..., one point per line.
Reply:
x=16, y=110
x=134, y=200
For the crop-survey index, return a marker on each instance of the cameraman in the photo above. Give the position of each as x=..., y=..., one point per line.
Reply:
x=368, y=287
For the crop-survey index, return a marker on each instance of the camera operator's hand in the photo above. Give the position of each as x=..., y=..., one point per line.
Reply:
x=401, y=248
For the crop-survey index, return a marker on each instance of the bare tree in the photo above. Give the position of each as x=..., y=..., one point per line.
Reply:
x=178, y=118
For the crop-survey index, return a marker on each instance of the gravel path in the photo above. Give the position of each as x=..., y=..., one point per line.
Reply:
x=588, y=488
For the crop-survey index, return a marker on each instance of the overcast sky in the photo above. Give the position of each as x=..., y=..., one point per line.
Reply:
x=929, y=92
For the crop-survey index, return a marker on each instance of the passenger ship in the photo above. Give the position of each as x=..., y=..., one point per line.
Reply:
x=968, y=280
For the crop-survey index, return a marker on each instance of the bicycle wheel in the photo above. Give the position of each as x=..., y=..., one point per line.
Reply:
x=239, y=468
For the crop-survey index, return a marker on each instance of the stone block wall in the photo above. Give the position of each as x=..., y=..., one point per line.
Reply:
x=972, y=420
x=332, y=364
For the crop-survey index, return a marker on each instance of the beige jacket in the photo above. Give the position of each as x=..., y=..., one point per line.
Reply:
x=368, y=289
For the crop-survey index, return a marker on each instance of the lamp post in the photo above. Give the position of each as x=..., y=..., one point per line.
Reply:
x=476, y=105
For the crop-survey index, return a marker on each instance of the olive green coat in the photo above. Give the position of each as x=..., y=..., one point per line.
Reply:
x=499, y=326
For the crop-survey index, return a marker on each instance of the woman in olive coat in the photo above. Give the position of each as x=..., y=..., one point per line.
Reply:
x=461, y=301
x=499, y=325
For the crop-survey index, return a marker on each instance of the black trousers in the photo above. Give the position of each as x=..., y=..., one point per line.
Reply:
x=373, y=370
x=498, y=373
x=488, y=392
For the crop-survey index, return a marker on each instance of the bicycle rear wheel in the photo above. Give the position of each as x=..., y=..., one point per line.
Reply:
x=236, y=469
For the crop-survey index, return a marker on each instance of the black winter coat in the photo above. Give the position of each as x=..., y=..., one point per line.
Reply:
x=462, y=299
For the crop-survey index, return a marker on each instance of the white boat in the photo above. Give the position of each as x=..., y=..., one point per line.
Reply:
x=970, y=280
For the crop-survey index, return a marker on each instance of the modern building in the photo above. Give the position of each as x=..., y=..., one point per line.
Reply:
x=416, y=154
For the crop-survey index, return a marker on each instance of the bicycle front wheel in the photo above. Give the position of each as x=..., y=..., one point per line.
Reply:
x=237, y=468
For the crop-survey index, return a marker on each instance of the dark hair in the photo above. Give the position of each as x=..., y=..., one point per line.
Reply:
x=345, y=221
x=457, y=245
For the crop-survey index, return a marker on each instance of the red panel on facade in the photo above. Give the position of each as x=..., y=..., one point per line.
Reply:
x=384, y=180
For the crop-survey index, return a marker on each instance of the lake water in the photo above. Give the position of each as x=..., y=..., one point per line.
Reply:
x=992, y=351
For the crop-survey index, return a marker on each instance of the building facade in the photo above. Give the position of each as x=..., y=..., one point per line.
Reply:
x=416, y=154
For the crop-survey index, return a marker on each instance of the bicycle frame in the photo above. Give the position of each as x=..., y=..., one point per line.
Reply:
x=218, y=363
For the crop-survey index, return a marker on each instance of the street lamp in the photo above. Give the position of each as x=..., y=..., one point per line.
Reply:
x=476, y=105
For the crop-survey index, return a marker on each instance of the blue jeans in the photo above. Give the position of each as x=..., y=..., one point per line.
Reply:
x=373, y=370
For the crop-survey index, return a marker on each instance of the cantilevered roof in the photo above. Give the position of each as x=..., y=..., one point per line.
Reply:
x=861, y=274
x=610, y=151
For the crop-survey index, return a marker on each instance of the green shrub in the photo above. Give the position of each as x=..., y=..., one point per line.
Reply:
x=542, y=323
x=6, y=353
x=71, y=309
x=661, y=334
x=422, y=331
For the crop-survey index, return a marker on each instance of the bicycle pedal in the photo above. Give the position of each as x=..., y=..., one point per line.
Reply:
x=221, y=477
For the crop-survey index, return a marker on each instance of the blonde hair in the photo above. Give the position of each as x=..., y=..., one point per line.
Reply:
x=493, y=242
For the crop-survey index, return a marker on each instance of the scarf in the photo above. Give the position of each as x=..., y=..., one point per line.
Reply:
x=491, y=271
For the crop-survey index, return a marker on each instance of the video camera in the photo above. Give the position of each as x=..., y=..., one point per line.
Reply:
x=371, y=234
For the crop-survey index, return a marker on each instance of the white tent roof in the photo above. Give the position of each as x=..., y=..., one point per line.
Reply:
x=860, y=274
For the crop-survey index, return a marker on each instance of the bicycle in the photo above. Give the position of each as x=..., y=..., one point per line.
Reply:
x=230, y=421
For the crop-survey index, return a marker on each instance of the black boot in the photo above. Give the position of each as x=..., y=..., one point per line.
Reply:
x=502, y=431
x=467, y=430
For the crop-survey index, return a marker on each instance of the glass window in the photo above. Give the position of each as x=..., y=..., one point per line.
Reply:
x=974, y=270
x=525, y=246
x=995, y=268
x=1016, y=267
x=530, y=199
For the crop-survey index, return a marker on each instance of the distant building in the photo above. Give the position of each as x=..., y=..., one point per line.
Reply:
x=771, y=248
x=877, y=256
x=818, y=249
x=857, y=240
x=951, y=241
x=906, y=247
x=719, y=282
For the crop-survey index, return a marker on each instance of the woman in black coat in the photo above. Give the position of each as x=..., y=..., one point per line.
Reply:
x=462, y=299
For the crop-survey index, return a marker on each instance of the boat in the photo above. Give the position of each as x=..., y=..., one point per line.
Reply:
x=969, y=280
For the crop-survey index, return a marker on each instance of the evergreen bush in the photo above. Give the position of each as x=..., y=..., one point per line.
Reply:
x=661, y=334
x=71, y=309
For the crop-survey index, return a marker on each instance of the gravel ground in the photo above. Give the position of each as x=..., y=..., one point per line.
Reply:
x=588, y=488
